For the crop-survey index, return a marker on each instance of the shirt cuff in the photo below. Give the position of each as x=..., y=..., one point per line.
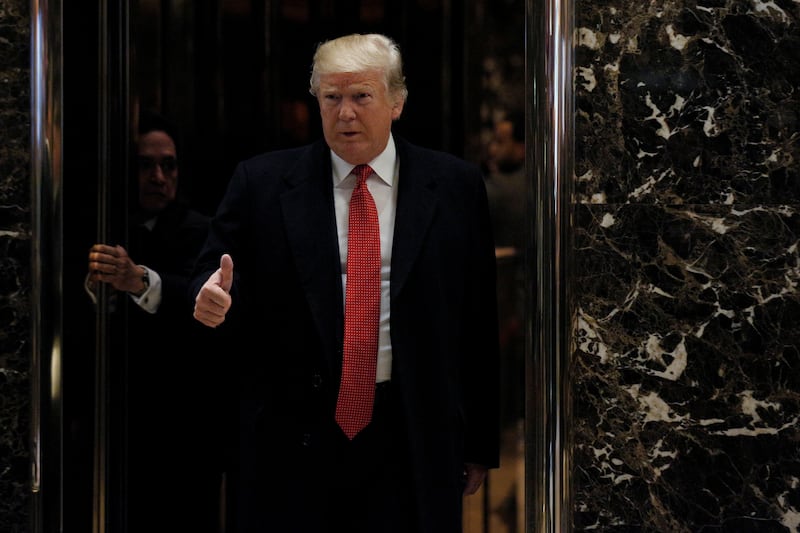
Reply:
x=150, y=299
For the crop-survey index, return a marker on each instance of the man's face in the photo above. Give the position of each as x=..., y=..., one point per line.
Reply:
x=158, y=171
x=505, y=153
x=357, y=114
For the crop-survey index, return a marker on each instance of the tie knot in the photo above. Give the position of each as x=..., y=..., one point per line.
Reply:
x=362, y=172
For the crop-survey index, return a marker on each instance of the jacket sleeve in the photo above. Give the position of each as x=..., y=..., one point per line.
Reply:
x=227, y=231
x=481, y=361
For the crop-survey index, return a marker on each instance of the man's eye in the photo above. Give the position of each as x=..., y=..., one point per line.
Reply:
x=147, y=163
x=167, y=164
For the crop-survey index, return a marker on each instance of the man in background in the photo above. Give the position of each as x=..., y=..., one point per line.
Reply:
x=173, y=481
x=506, y=182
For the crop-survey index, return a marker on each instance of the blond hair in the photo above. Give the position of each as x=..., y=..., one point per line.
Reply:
x=361, y=53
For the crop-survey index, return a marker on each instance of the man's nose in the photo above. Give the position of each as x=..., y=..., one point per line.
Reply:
x=346, y=111
x=157, y=174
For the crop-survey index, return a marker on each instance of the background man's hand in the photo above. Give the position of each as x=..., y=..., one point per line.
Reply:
x=214, y=299
x=112, y=265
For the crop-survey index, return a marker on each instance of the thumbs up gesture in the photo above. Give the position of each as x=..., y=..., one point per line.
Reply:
x=214, y=299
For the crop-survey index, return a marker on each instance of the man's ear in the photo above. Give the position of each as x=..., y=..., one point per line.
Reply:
x=397, y=108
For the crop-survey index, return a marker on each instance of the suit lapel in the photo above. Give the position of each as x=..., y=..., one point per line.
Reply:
x=307, y=206
x=416, y=203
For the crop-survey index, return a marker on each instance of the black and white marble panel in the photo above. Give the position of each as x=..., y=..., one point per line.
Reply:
x=15, y=254
x=687, y=330
x=687, y=368
x=688, y=102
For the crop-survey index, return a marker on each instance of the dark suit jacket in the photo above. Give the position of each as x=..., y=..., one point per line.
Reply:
x=277, y=221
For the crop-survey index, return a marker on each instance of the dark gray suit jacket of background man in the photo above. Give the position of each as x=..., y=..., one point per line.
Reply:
x=277, y=221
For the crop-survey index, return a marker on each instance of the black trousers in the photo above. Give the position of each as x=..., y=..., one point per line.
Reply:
x=359, y=486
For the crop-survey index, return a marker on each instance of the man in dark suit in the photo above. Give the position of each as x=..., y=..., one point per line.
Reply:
x=173, y=480
x=433, y=421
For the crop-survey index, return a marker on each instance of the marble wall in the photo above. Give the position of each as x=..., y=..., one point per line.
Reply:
x=687, y=221
x=15, y=253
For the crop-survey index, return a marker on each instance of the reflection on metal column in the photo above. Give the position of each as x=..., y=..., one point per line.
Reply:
x=46, y=245
x=549, y=97
x=109, y=513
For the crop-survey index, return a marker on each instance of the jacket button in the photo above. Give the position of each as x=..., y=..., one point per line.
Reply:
x=316, y=380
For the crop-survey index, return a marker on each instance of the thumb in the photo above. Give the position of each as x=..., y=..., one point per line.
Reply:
x=226, y=272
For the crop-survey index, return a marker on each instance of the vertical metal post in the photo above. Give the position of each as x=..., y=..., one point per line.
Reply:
x=47, y=268
x=114, y=58
x=549, y=133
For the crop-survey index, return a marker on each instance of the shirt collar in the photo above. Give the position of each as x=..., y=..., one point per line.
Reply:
x=383, y=165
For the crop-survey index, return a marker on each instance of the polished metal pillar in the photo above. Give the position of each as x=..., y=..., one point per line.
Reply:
x=48, y=306
x=549, y=142
x=109, y=513
x=46, y=267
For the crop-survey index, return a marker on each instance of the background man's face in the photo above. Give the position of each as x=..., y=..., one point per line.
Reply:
x=158, y=171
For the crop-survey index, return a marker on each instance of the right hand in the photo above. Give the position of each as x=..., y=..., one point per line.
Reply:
x=112, y=265
x=214, y=298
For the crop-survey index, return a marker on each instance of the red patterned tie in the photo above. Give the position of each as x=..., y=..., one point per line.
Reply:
x=362, y=310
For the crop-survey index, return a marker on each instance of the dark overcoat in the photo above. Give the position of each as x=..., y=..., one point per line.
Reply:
x=286, y=324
